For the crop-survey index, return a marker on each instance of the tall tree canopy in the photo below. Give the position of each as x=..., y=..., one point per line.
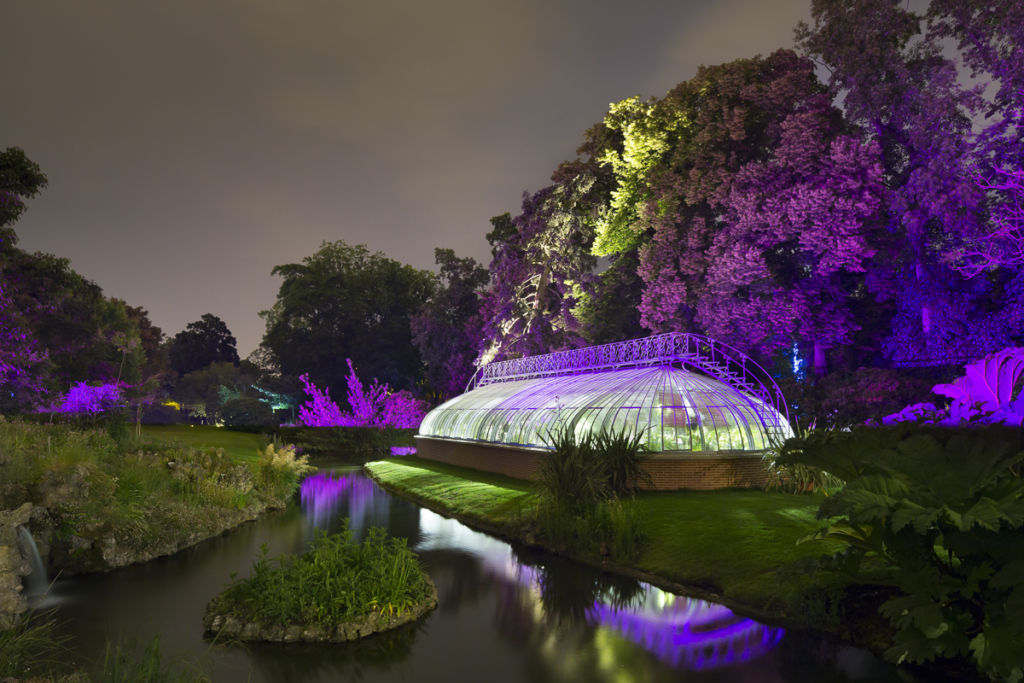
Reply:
x=446, y=330
x=346, y=302
x=20, y=179
x=903, y=93
x=542, y=268
x=205, y=341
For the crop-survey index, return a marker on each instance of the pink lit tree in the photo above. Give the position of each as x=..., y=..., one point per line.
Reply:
x=375, y=406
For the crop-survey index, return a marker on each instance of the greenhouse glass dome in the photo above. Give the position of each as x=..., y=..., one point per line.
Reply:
x=719, y=400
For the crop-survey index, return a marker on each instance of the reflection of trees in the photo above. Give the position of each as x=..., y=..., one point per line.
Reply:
x=460, y=578
x=568, y=590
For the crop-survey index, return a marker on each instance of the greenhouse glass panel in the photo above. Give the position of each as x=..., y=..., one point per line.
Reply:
x=676, y=409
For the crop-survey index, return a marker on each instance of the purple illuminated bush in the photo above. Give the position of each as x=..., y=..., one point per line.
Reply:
x=376, y=406
x=83, y=398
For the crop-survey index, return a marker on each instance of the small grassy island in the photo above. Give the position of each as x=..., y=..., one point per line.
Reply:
x=338, y=590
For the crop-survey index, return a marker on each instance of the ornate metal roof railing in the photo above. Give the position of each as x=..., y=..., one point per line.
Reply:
x=714, y=358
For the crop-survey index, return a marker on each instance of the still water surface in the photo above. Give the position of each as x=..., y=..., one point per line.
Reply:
x=504, y=613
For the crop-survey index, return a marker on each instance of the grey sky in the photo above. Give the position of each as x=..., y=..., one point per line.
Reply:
x=193, y=145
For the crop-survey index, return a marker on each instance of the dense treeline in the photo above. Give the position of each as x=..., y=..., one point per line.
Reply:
x=837, y=231
x=860, y=236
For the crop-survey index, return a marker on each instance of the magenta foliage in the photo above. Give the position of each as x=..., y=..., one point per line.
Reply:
x=984, y=394
x=401, y=410
x=377, y=406
x=20, y=356
x=912, y=413
x=365, y=404
x=319, y=410
x=84, y=398
x=987, y=388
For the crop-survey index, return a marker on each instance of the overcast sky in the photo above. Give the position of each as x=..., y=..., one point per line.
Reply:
x=193, y=145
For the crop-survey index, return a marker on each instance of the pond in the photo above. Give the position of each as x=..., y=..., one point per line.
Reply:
x=505, y=613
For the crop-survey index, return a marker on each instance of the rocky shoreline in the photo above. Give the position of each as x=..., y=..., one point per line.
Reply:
x=223, y=625
x=80, y=554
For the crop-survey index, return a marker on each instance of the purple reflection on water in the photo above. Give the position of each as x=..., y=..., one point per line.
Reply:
x=698, y=636
x=324, y=495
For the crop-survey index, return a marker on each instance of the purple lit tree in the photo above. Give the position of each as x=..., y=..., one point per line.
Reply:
x=794, y=242
x=541, y=270
x=447, y=328
x=897, y=85
x=376, y=406
x=87, y=399
x=23, y=365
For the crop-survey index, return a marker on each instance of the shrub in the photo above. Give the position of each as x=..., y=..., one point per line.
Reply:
x=571, y=472
x=621, y=457
x=281, y=468
x=247, y=412
x=581, y=480
x=943, y=511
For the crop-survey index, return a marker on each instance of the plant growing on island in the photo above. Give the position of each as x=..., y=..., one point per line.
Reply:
x=336, y=581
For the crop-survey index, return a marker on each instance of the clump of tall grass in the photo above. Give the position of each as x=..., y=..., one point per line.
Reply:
x=33, y=649
x=123, y=663
x=337, y=580
x=586, y=483
x=281, y=468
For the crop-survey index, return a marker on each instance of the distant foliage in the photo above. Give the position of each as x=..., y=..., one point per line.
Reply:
x=943, y=509
x=246, y=411
x=375, y=406
x=205, y=341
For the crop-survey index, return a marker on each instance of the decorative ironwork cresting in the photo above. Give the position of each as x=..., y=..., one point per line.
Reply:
x=709, y=356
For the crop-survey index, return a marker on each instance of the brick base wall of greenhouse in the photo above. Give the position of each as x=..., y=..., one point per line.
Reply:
x=668, y=471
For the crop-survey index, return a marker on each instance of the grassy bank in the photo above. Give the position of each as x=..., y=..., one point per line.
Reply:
x=239, y=447
x=738, y=546
x=112, y=502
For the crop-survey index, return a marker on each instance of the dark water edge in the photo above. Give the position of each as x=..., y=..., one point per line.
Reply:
x=505, y=613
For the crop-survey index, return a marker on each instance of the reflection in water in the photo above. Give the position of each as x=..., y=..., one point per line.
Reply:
x=680, y=631
x=506, y=614
x=325, y=496
x=694, y=634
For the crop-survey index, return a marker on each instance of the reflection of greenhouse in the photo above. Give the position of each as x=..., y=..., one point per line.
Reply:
x=705, y=410
x=682, y=632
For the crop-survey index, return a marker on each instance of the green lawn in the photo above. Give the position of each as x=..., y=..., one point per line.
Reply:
x=492, y=499
x=239, y=446
x=739, y=544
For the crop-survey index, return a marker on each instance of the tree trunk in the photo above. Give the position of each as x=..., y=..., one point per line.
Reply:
x=820, y=366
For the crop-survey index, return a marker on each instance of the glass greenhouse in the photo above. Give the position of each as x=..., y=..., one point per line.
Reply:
x=676, y=410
